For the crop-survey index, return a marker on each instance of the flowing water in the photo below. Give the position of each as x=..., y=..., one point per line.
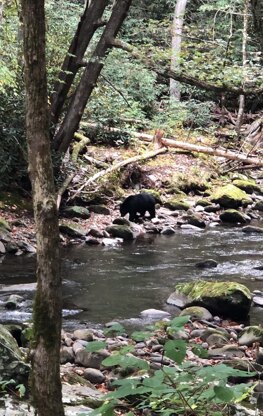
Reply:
x=107, y=283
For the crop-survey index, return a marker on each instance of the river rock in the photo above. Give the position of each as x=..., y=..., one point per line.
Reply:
x=66, y=355
x=76, y=211
x=90, y=359
x=121, y=221
x=258, y=206
x=95, y=232
x=120, y=231
x=12, y=365
x=13, y=301
x=252, y=229
x=99, y=209
x=206, y=264
x=84, y=334
x=195, y=220
x=26, y=247
x=230, y=196
x=249, y=186
x=228, y=299
x=227, y=351
x=4, y=226
x=258, y=300
x=168, y=231
x=233, y=216
x=251, y=334
x=92, y=241
x=177, y=299
x=212, y=208
x=154, y=314
x=177, y=205
x=93, y=375
x=197, y=312
x=72, y=230
x=2, y=248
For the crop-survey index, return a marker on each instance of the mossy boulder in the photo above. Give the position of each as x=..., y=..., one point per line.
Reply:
x=227, y=299
x=251, y=334
x=99, y=209
x=4, y=226
x=195, y=220
x=120, y=231
x=233, y=216
x=177, y=205
x=258, y=206
x=154, y=193
x=203, y=202
x=12, y=365
x=230, y=196
x=72, y=230
x=249, y=186
x=197, y=312
x=76, y=211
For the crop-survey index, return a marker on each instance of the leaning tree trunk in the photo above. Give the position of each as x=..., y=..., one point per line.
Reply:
x=87, y=26
x=257, y=13
x=46, y=385
x=90, y=76
x=175, y=90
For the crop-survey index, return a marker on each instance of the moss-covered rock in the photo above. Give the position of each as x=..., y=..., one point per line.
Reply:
x=230, y=196
x=76, y=211
x=99, y=209
x=203, y=202
x=251, y=334
x=197, y=312
x=12, y=365
x=258, y=206
x=154, y=193
x=195, y=220
x=177, y=204
x=72, y=230
x=228, y=299
x=4, y=226
x=120, y=231
x=233, y=216
x=248, y=186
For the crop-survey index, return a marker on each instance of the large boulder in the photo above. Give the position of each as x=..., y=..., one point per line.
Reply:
x=228, y=299
x=248, y=186
x=233, y=216
x=120, y=231
x=12, y=365
x=77, y=212
x=230, y=196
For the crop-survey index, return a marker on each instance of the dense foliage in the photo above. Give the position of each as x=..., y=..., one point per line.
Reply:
x=129, y=88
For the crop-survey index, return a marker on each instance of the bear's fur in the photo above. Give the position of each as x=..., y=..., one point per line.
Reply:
x=135, y=204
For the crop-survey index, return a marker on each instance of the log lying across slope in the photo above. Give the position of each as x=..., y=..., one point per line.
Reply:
x=165, y=142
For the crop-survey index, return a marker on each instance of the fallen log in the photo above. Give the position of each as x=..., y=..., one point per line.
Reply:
x=117, y=166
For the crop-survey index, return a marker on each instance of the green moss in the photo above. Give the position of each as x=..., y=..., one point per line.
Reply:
x=230, y=196
x=177, y=204
x=199, y=289
x=154, y=193
x=248, y=186
x=44, y=324
x=4, y=224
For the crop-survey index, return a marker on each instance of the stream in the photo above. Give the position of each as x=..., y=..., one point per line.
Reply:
x=101, y=284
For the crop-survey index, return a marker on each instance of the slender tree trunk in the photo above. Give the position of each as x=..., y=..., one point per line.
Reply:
x=90, y=76
x=46, y=385
x=88, y=24
x=177, y=29
x=241, y=109
x=257, y=13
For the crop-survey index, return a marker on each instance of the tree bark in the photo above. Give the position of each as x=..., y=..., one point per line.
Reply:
x=257, y=13
x=90, y=76
x=46, y=385
x=87, y=26
x=175, y=90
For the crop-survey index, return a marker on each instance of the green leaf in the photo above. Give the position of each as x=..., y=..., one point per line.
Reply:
x=176, y=350
x=177, y=324
x=116, y=329
x=200, y=351
x=125, y=361
x=95, y=346
x=141, y=335
x=225, y=394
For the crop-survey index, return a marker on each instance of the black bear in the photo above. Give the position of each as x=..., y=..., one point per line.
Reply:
x=140, y=203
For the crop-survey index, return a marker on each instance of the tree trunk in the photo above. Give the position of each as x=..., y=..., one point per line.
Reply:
x=257, y=13
x=241, y=108
x=175, y=90
x=90, y=76
x=46, y=385
x=88, y=24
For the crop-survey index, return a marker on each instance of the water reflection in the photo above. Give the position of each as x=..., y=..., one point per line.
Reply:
x=117, y=283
